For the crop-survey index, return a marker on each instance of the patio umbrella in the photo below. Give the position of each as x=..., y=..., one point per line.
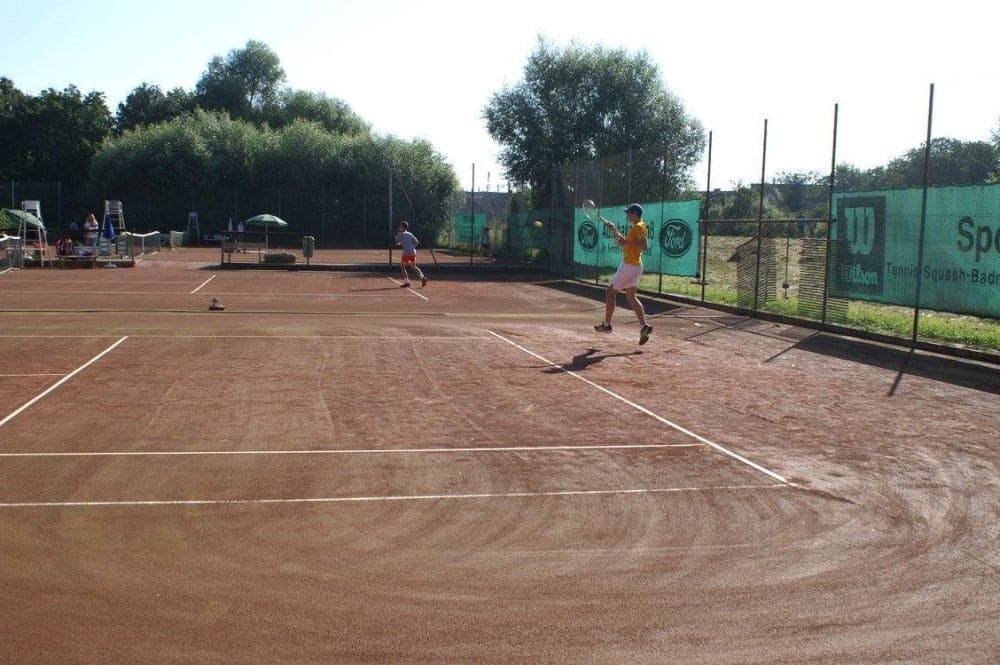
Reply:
x=13, y=218
x=109, y=229
x=266, y=220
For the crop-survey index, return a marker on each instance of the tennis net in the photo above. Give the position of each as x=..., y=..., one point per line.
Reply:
x=143, y=243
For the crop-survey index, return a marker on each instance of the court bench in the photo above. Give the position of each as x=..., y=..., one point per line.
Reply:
x=74, y=261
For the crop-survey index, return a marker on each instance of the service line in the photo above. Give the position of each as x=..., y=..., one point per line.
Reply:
x=643, y=409
x=203, y=284
x=62, y=381
x=374, y=499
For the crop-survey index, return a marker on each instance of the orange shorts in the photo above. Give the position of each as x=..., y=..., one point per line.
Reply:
x=409, y=258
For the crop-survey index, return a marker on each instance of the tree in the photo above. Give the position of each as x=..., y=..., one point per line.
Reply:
x=333, y=115
x=13, y=107
x=244, y=84
x=952, y=162
x=802, y=194
x=582, y=103
x=147, y=105
x=56, y=134
x=995, y=176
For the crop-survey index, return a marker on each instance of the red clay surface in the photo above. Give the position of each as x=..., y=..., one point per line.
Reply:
x=335, y=469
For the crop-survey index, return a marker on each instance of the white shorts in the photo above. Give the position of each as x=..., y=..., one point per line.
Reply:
x=627, y=277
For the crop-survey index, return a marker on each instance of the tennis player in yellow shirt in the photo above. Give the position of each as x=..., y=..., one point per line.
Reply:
x=627, y=277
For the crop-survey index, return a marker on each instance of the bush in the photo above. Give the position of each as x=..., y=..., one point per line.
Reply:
x=279, y=257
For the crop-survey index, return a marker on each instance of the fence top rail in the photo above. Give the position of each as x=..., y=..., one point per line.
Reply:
x=798, y=220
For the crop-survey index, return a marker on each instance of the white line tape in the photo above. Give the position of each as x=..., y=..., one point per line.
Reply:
x=643, y=409
x=203, y=284
x=373, y=499
x=355, y=451
x=61, y=381
x=398, y=283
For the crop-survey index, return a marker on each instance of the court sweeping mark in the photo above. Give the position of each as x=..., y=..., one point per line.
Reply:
x=61, y=381
x=398, y=283
x=374, y=499
x=354, y=451
x=203, y=284
x=643, y=409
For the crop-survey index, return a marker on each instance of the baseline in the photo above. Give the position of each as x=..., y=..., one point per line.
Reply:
x=350, y=451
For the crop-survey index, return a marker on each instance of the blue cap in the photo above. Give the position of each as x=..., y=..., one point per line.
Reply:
x=635, y=207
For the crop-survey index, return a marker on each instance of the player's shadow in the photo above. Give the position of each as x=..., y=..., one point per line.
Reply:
x=582, y=361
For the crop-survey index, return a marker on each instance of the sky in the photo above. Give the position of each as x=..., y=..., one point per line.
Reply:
x=427, y=69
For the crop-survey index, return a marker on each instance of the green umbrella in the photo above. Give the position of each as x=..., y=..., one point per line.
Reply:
x=13, y=218
x=266, y=220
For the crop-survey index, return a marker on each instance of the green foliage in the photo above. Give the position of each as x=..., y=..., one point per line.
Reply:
x=244, y=84
x=952, y=162
x=333, y=115
x=278, y=257
x=147, y=105
x=50, y=137
x=208, y=161
x=583, y=103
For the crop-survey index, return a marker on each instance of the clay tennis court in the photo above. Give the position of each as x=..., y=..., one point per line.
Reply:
x=335, y=469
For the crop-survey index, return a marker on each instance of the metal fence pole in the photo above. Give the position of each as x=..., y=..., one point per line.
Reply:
x=704, y=224
x=829, y=214
x=760, y=218
x=923, y=216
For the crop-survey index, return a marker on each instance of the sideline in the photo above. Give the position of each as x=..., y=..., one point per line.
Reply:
x=643, y=409
x=62, y=381
x=203, y=284
x=411, y=290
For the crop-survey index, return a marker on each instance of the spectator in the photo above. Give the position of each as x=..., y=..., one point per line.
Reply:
x=90, y=228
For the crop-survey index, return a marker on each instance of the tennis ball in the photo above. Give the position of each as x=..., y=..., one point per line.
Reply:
x=538, y=223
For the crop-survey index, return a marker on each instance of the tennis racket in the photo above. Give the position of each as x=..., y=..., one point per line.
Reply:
x=590, y=212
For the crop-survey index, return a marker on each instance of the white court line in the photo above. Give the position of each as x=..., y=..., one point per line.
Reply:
x=398, y=283
x=643, y=409
x=369, y=296
x=355, y=451
x=22, y=376
x=62, y=381
x=186, y=336
x=372, y=499
x=203, y=284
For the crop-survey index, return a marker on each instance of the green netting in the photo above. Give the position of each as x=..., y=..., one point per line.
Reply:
x=674, y=229
x=875, y=249
x=467, y=229
x=524, y=233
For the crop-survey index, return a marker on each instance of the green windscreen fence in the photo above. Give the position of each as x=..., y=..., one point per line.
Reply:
x=468, y=228
x=875, y=250
x=529, y=229
x=674, y=230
